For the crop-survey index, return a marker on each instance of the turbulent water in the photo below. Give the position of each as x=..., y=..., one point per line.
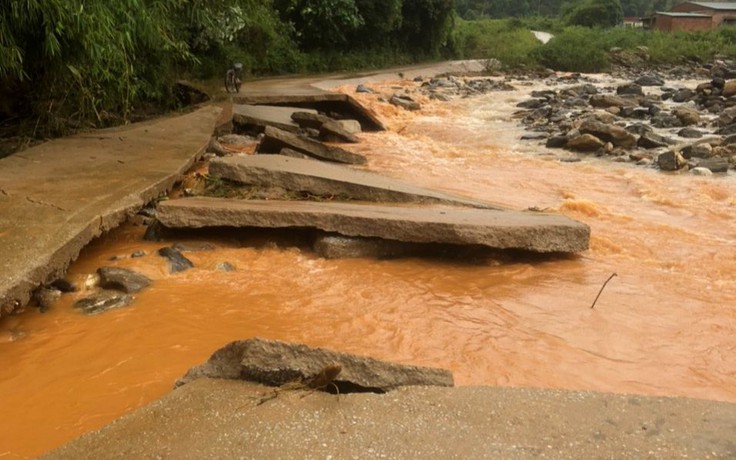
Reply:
x=666, y=325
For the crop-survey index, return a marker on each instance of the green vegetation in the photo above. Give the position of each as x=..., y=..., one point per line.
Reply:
x=69, y=64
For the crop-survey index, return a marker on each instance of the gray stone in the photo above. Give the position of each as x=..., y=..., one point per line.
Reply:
x=650, y=140
x=122, y=279
x=556, y=142
x=193, y=247
x=348, y=247
x=274, y=363
x=405, y=102
x=177, y=262
x=102, y=302
x=584, y=143
x=690, y=133
x=45, y=297
x=332, y=131
x=630, y=88
x=531, y=231
x=703, y=150
x=649, y=80
x=363, y=89
x=716, y=164
x=531, y=103
x=323, y=179
x=683, y=95
x=225, y=267
x=276, y=139
x=671, y=161
x=351, y=126
x=616, y=135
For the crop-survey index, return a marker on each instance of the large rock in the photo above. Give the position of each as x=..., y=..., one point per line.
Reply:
x=716, y=165
x=324, y=179
x=276, y=139
x=584, y=143
x=729, y=88
x=177, y=261
x=102, y=302
x=275, y=363
x=531, y=231
x=687, y=115
x=607, y=100
x=651, y=140
x=649, y=80
x=405, y=102
x=122, y=279
x=616, y=135
x=671, y=161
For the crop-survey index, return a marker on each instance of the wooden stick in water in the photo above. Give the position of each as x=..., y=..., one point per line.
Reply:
x=603, y=287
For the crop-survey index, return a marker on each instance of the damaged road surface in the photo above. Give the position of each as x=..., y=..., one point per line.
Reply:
x=530, y=231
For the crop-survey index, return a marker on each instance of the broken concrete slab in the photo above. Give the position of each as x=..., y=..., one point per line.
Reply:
x=56, y=197
x=325, y=102
x=274, y=363
x=260, y=116
x=531, y=231
x=275, y=139
x=330, y=130
x=216, y=418
x=323, y=179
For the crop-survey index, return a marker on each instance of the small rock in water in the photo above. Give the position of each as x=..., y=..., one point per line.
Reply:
x=64, y=285
x=122, y=279
x=700, y=171
x=138, y=254
x=177, y=262
x=405, y=102
x=106, y=300
x=363, y=89
x=193, y=247
x=225, y=267
x=45, y=297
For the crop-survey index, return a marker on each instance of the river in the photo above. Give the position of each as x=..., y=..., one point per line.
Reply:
x=666, y=325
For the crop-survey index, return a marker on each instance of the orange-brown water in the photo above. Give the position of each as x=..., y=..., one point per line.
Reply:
x=665, y=326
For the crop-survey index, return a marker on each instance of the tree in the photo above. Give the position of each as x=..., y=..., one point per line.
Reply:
x=596, y=13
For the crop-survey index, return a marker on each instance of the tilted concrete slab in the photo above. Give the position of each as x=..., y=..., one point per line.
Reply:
x=324, y=179
x=275, y=139
x=529, y=231
x=56, y=197
x=263, y=115
x=216, y=418
x=319, y=100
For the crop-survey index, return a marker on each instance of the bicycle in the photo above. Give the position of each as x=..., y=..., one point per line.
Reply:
x=232, y=78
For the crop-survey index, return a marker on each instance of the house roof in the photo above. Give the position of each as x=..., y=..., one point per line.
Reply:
x=716, y=5
x=682, y=15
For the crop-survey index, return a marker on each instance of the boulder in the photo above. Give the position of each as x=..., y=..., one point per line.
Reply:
x=727, y=117
x=584, y=143
x=177, y=261
x=729, y=88
x=687, y=115
x=649, y=80
x=102, y=302
x=276, y=139
x=690, y=133
x=650, y=140
x=351, y=126
x=122, y=279
x=274, y=363
x=556, y=142
x=703, y=150
x=616, y=135
x=671, y=160
x=630, y=88
x=405, y=102
x=700, y=171
x=606, y=100
x=716, y=164
x=683, y=95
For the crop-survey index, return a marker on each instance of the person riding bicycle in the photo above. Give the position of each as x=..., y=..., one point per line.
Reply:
x=232, y=78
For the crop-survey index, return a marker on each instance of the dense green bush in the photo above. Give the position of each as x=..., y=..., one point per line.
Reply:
x=506, y=40
x=577, y=49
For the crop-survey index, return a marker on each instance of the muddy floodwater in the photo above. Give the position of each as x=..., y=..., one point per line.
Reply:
x=665, y=326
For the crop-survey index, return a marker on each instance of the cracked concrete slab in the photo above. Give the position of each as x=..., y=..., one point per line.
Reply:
x=500, y=229
x=328, y=179
x=58, y=196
